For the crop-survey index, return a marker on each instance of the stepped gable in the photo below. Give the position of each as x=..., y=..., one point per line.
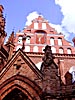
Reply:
x=40, y=20
x=39, y=34
x=22, y=53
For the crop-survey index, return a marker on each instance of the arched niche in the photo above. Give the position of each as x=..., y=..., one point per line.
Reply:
x=24, y=85
x=61, y=50
x=16, y=94
x=52, y=41
x=40, y=37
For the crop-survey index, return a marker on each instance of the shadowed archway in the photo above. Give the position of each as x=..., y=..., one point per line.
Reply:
x=16, y=94
x=23, y=84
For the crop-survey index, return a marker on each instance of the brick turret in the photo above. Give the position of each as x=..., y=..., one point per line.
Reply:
x=3, y=51
x=10, y=44
x=2, y=26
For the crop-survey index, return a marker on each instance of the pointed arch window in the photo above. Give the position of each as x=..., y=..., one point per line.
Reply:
x=28, y=39
x=53, y=49
x=61, y=51
x=68, y=51
x=52, y=41
x=20, y=40
x=59, y=41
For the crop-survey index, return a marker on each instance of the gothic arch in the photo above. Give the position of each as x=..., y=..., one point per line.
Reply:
x=24, y=84
x=16, y=94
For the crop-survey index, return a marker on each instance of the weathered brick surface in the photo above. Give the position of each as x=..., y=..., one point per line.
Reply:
x=18, y=69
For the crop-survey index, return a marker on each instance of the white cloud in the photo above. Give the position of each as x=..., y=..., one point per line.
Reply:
x=68, y=22
x=68, y=11
x=59, y=29
x=31, y=16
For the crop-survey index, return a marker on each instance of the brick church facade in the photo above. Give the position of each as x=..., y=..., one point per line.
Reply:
x=36, y=64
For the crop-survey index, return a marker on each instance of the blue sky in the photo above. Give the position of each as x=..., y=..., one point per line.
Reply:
x=55, y=11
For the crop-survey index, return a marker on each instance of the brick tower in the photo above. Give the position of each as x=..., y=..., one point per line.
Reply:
x=3, y=52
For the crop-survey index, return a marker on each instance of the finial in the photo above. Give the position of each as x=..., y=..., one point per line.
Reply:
x=48, y=57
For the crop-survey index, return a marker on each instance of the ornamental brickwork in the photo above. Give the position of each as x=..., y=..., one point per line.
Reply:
x=36, y=64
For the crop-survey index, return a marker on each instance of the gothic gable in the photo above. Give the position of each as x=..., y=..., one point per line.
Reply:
x=20, y=64
x=20, y=73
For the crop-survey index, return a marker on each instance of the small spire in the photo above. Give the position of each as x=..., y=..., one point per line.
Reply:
x=2, y=22
x=10, y=45
x=11, y=38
